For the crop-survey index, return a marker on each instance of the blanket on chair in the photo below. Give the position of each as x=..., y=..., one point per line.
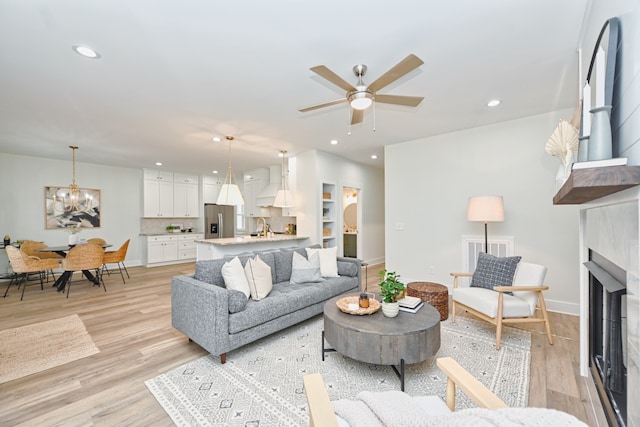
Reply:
x=398, y=409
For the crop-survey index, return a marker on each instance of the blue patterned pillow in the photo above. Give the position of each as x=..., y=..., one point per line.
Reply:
x=494, y=271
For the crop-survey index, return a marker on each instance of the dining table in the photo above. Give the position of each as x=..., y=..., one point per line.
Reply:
x=61, y=282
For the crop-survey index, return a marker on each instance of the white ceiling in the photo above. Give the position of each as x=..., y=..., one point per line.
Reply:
x=173, y=74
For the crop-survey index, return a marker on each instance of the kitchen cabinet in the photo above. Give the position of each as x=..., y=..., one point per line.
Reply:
x=254, y=182
x=187, y=246
x=211, y=188
x=329, y=225
x=158, y=198
x=170, y=249
x=161, y=249
x=185, y=196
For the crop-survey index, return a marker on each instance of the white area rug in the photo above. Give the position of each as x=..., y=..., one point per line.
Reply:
x=261, y=383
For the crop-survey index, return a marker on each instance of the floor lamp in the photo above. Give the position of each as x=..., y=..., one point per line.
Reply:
x=486, y=209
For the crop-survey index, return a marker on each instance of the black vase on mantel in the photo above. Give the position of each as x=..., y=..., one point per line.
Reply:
x=600, y=143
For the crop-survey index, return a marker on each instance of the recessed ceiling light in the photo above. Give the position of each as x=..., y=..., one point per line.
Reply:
x=215, y=171
x=216, y=139
x=158, y=163
x=493, y=103
x=334, y=142
x=374, y=156
x=87, y=52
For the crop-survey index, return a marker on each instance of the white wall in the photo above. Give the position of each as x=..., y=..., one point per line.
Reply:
x=317, y=166
x=22, y=212
x=428, y=183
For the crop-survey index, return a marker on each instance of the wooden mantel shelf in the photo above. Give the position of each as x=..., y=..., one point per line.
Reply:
x=585, y=185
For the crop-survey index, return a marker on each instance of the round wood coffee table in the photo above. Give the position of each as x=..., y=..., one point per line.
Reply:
x=405, y=339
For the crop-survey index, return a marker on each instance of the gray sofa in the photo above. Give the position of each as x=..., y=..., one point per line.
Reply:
x=219, y=320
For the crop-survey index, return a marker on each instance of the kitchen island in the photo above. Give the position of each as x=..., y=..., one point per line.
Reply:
x=219, y=248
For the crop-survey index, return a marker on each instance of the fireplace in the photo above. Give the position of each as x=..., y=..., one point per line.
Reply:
x=608, y=335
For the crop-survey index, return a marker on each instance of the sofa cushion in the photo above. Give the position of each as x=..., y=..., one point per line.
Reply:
x=210, y=271
x=305, y=270
x=259, y=278
x=283, y=262
x=347, y=269
x=237, y=301
x=494, y=271
x=286, y=298
x=234, y=276
x=328, y=260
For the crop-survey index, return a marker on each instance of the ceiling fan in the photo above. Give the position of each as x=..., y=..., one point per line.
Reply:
x=361, y=96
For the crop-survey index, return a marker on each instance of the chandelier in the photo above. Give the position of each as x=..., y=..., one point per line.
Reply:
x=74, y=189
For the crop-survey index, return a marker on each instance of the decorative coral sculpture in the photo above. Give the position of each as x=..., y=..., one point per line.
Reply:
x=563, y=143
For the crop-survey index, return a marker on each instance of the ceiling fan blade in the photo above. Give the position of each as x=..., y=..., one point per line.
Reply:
x=409, y=101
x=403, y=67
x=326, y=73
x=326, y=104
x=357, y=116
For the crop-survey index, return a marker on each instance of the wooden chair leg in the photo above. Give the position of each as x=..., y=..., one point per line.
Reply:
x=545, y=316
x=499, y=320
x=223, y=358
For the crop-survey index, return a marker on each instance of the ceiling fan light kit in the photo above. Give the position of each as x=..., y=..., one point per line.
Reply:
x=361, y=96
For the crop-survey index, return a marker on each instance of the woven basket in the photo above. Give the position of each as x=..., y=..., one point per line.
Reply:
x=434, y=294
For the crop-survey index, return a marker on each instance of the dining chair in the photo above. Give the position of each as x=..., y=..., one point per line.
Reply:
x=84, y=257
x=23, y=265
x=29, y=247
x=116, y=257
x=97, y=241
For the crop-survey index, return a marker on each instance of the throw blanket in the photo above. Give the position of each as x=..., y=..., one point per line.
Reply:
x=398, y=409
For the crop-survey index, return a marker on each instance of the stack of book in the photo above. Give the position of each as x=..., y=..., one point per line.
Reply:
x=410, y=304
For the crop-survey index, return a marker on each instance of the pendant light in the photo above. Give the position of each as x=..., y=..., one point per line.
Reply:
x=284, y=197
x=74, y=189
x=230, y=192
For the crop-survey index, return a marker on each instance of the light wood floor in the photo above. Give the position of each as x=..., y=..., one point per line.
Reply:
x=131, y=325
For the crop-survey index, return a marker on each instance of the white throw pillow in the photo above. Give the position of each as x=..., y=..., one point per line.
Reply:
x=305, y=270
x=328, y=260
x=234, y=277
x=258, y=275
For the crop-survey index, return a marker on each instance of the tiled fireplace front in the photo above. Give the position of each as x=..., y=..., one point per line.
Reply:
x=610, y=227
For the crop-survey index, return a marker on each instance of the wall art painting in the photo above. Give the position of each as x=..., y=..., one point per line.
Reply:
x=59, y=214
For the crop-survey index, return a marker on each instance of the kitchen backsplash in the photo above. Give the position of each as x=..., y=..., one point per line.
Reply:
x=158, y=225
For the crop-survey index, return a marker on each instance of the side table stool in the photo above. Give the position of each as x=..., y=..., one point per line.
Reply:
x=432, y=293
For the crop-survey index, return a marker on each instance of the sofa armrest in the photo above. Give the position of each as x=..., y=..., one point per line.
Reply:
x=201, y=312
x=358, y=264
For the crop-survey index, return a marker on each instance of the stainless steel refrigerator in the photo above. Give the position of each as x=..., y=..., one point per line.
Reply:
x=219, y=221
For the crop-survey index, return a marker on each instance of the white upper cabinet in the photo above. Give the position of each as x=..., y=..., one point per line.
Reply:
x=211, y=188
x=157, y=194
x=170, y=195
x=254, y=182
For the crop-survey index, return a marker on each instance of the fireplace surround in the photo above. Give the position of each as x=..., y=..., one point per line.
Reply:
x=609, y=232
x=608, y=335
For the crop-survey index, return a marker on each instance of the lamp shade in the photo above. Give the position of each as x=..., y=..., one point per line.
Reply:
x=230, y=195
x=284, y=199
x=485, y=209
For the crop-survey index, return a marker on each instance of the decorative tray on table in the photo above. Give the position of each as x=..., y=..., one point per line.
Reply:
x=345, y=302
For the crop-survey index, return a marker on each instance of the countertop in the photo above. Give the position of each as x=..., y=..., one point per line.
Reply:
x=246, y=240
x=169, y=234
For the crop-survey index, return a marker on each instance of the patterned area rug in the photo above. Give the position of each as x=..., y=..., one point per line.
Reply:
x=34, y=348
x=261, y=383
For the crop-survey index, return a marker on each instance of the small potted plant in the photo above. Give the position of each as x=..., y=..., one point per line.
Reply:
x=391, y=290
